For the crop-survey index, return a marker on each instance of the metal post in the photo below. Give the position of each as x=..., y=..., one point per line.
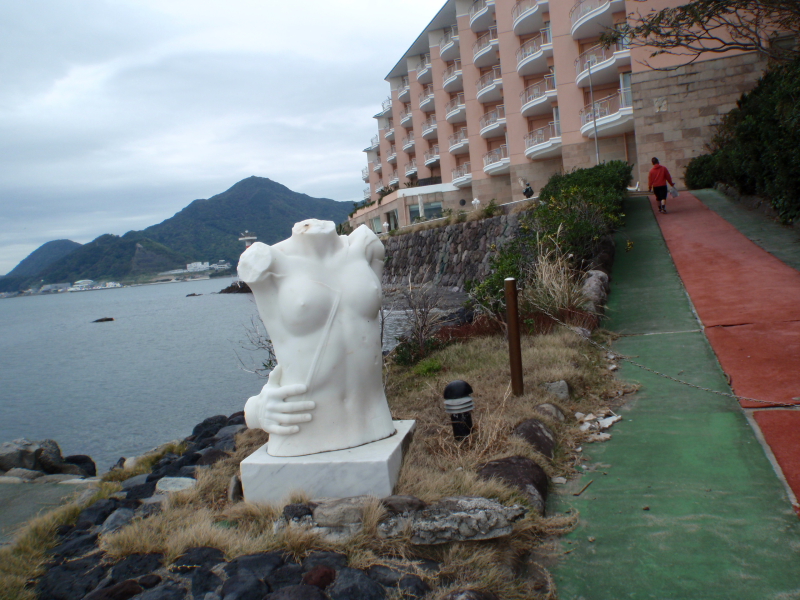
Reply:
x=514, y=346
x=594, y=113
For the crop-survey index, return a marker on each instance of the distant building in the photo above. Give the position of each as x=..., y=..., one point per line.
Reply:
x=54, y=287
x=197, y=266
x=248, y=238
x=221, y=265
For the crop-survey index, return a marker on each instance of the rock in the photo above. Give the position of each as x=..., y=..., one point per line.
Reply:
x=244, y=586
x=551, y=411
x=74, y=470
x=103, y=320
x=559, y=389
x=598, y=437
x=132, y=482
x=19, y=454
x=236, y=418
x=118, y=519
x=83, y=462
x=54, y=478
x=212, y=456
x=119, y=591
x=521, y=473
x=538, y=435
x=203, y=556
x=352, y=584
x=144, y=490
x=320, y=576
x=204, y=581
x=470, y=595
x=339, y=512
x=559, y=480
x=4, y=479
x=457, y=518
x=78, y=545
x=285, y=575
x=135, y=566
x=235, y=490
x=98, y=512
x=169, y=591
x=413, y=587
x=602, y=277
x=262, y=565
x=298, y=592
x=296, y=511
x=229, y=431
x=227, y=444
x=151, y=506
x=50, y=460
x=188, y=471
x=169, y=485
x=71, y=580
x=398, y=505
x=387, y=576
x=149, y=581
x=209, y=427
x=334, y=560
x=26, y=474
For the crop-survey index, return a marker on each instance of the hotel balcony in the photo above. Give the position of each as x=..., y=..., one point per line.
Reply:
x=373, y=144
x=394, y=178
x=430, y=128
x=590, y=18
x=544, y=142
x=426, y=99
x=497, y=161
x=377, y=167
x=459, y=142
x=462, y=176
x=613, y=115
x=536, y=99
x=490, y=86
x=386, y=108
x=526, y=16
x=452, y=80
x=424, y=71
x=481, y=15
x=532, y=55
x=484, y=50
x=392, y=157
x=411, y=168
x=388, y=133
x=493, y=123
x=455, y=111
x=367, y=194
x=407, y=119
x=605, y=63
x=449, y=45
x=408, y=143
x=432, y=156
x=404, y=92
x=365, y=173
x=380, y=187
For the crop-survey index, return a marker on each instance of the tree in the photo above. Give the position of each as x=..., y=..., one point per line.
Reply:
x=768, y=27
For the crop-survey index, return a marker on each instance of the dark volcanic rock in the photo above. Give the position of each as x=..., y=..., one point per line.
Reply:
x=19, y=454
x=388, y=576
x=119, y=591
x=297, y=511
x=298, y=592
x=71, y=580
x=103, y=320
x=334, y=560
x=98, y=512
x=204, y=581
x=211, y=456
x=413, y=587
x=50, y=460
x=75, y=545
x=538, y=435
x=139, y=492
x=117, y=520
x=320, y=576
x=286, y=575
x=398, y=505
x=237, y=287
x=244, y=585
x=194, y=558
x=262, y=565
x=209, y=427
x=352, y=584
x=522, y=473
x=169, y=591
x=149, y=581
x=83, y=462
x=136, y=565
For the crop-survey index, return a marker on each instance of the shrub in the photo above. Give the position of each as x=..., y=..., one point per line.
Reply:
x=491, y=209
x=700, y=172
x=429, y=366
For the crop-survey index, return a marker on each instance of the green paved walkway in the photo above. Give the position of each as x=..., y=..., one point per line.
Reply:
x=684, y=504
x=780, y=241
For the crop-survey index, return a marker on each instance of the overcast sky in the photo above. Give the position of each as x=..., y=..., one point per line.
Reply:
x=115, y=114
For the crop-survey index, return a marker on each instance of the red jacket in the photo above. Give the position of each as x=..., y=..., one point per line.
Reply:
x=659, y=176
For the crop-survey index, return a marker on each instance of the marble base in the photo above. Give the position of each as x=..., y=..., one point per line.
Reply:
x=371, y=469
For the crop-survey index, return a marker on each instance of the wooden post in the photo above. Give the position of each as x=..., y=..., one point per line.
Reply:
x=514, y=347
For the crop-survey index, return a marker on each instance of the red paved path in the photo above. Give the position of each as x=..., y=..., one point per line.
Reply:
x=749, y=302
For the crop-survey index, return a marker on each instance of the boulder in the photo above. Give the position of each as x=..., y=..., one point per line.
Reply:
x=551, y=411
x=98, y=512
x=244, y=585
x=262, y=565
x=298, y=592
x=203, y=556
x=55, y=478
x=352, y=584
x=19, y=454
x=413, y=587
x=209, y=427
x=168, y=591
x=4, y=479
x=285, y=575
x=339, y=512
x=135, y=566
x=458, y=518
x=521, y=473
x=398, y=505
x=538, y=435
x=26, y=474
x=76, y=544
x=334, y=560
x=83, y=462
x=559, y=389
x=169, y=485
x=132, y=482
x=211, y=456
x=50, y=460
x=141, y=491
x=149, y=581
x=320, y=576
x=117, y=520
x=296, y=511
x=71, y=580
x=119, y=591
x=204, y=580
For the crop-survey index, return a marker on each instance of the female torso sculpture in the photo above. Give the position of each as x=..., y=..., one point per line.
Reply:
x=319, y=296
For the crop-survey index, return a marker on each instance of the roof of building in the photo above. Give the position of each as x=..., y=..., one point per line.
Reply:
x=444, y=18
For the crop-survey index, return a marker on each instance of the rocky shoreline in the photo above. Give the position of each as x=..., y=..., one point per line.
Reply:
x=23, y=461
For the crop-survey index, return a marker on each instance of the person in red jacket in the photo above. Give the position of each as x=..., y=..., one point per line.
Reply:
x=657, y=182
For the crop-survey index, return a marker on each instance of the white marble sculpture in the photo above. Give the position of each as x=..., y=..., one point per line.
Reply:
x=319, y=295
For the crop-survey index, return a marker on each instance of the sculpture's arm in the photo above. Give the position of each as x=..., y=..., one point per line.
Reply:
x=256, y=263
x=364, y=238
x=270, y=411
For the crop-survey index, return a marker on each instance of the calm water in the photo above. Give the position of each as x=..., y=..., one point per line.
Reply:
x=120, y=388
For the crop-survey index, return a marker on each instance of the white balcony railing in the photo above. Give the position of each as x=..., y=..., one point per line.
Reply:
x=452, y=70
x=495, y=156
x=533, y=45
x=538, y=89
x=477, y=7
x=386, y=104
x=543, y=134
x=424, y=64
x=489, y=78
x=521, y=7
x=394, y=177
x=426, y=94
x=462, y=171
x=497, y=114
x=583, y=7
x=405, y=115
x=375, y=141
x=365, y=173
x=405, y=83
x=450, y=35
x=378, y=165
x=411, y=167
x=596, y=55
x=367, y=194
x=484, y=41
x=607, y=106
x=429, y=124
x=459, y=137
x=454, y=104
x=432, y=154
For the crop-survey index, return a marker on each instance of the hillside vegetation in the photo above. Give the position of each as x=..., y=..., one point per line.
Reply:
x=41, y=258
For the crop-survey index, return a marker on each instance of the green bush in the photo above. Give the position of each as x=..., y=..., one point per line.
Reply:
x=428, y=367
x=700, y=173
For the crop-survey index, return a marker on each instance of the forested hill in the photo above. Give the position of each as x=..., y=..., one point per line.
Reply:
x=43, y=257
x=209, y=229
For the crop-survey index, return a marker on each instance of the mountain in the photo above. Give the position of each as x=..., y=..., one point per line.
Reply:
x=43, y=257
x=210, y=229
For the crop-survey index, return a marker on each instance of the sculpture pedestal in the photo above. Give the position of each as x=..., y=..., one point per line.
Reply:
x=371, y=469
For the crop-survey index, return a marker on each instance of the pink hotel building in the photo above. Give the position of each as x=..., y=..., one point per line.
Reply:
x=497, y=92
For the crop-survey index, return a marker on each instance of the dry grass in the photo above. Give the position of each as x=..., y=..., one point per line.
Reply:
x=144, y=464
x=435, y=466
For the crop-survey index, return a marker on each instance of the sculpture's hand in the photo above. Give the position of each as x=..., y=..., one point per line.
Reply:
x=281, y=417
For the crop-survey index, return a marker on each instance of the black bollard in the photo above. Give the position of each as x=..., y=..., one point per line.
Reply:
x=459, y=405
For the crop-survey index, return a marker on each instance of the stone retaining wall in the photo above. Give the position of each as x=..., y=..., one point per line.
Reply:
x=448, y=255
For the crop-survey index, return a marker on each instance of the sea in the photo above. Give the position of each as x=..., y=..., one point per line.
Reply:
x=167, y=361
